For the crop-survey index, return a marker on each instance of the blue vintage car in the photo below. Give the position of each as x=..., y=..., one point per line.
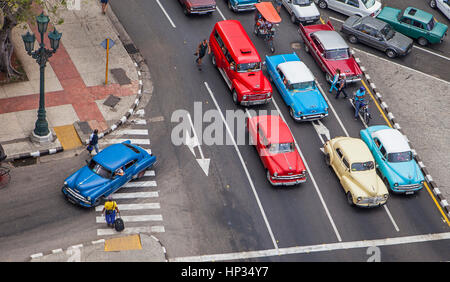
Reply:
x=101, y=176
x=242, y=5
x=297, y=86
x=394, y=158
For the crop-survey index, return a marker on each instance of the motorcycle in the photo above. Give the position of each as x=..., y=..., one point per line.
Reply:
x=364, y=112
x=266, y=19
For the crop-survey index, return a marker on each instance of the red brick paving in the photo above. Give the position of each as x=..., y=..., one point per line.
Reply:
x=74, y=92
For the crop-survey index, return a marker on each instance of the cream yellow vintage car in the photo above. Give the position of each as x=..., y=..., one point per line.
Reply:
x=354, y=165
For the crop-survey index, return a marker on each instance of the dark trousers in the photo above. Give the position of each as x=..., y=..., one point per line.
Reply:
x=339, y=93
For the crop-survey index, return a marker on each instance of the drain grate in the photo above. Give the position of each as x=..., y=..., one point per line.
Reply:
x=131, y=49
x=24, y=162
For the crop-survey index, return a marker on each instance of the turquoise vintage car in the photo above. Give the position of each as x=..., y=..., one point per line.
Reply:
x=297, y=86
x=242, y=5
x=415, y=23
x=106, y=172
x=394, y=158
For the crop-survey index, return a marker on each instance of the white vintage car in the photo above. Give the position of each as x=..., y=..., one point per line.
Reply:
x=442, y=5
x=303, y=11
x=361, y=8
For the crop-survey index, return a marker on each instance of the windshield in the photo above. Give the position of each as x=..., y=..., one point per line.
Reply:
x=98, y=169
x=387, y=32
x=337, y=54
x=362, y=166
x=301, y=2
x=400, y=157
x=304, y=86
x=368, y=3
x=249, y=67
x=430, y=24
x=281, y=148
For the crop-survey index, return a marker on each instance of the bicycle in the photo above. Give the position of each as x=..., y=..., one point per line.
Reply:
x=5, y=177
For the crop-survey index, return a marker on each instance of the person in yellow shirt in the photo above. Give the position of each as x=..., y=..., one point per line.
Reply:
x=110, y=210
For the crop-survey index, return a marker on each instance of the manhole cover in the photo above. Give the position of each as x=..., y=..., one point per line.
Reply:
x=84, y=126
x=121, y=76
x=111, y=101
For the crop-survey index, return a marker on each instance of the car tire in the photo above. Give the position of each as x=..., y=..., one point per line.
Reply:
x=391, y=53
x=229, y=5
x=213, y=60
x=293, y=18
x=353, y=39
x=99, y=200
x=386, y=183
x=422, y=41
x=185, y=11
x=328, y=159
x=292, y=113
x=328, y=78
x=235, y=97
x=268, y=175
x=350, y=198
x=322, y=4
x=306, y=48
x=140, y=174
x=433, y=4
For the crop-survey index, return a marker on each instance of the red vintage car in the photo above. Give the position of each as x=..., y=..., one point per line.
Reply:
x=330, y=51
x=276, y=148
x=198, y=7
x=237, y=60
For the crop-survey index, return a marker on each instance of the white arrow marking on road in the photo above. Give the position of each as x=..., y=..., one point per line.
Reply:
x=192, y=142
x=321, y=130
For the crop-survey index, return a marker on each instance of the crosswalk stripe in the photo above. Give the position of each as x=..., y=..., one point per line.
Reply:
x=140, y=184
x=133, y=218
x=139, y=121
x=131, y=230
x=135, y=195
x=129, y=207
x=130, y=132
x=133, y=141
x=149, y=173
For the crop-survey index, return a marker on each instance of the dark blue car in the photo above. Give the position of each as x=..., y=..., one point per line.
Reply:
x=102, y=174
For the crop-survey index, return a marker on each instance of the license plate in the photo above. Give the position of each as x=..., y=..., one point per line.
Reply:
x=309, y=21
x=409, y=192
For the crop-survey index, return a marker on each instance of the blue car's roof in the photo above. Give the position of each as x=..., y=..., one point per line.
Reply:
x=115, y=156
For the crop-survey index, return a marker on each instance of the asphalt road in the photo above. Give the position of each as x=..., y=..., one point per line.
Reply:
x=229, y=211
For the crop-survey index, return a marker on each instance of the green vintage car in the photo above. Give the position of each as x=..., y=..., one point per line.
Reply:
x=415, y=23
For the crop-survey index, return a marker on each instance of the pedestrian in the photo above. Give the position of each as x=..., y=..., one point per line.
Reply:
x=335, y=80
x=341, y=84
x=359, y=100
x=277, y=5
x=201, y=52
x=93, y=141
x=110, y=210
x=104, y=4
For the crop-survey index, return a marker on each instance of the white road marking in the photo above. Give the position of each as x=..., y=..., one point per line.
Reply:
x=220, y=12
x=330, y=218
x=316, y=248
x=193, y=142
x=135, y=195
x=131, y=230
x=133, y=218
x=165, y=13
x=139, y=121
x=391, y=217
x=129, y=207
x=140, y=184
x=133, y=141
x=244, y=166
x=149, y=173
x=130, y=132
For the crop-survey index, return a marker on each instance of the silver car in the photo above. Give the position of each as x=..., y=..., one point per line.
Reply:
x=378, y=34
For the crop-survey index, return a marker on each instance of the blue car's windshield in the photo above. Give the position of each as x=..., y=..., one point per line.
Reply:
x=362, y=166
x=98, y=169
x=400, y=157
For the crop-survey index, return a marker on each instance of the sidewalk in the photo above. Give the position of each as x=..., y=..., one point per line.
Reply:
x=74, y=85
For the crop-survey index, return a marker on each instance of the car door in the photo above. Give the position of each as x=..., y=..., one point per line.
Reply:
x=418, y=29
x=364, y=34
x=352, y=8
x=288, y=5
x=338, y=5
x=117, y=181
x=262, y=144
x=337, y=162
x=282, y=87
x=446, y=8
x=130, y=169
x=404, y=26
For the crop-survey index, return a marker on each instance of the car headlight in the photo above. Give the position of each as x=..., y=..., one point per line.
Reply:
x=275, y=174
x=299, y=113
x=422, y=182
x=395, y=184
x=65, y=183
x=268, y=94
x=88, y=198
x=244, y=97
x=385, y=196
x=358, y=199
x=326, y=109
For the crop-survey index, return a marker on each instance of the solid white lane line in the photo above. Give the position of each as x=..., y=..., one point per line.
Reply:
x=220, y=12
x=130, y=132
x=133, y=218
x=135, y=195
x=330, y=218
x=316, y=248
x=140, y=184
x=131, y=230
x=129, y=207
x=245, y=168
x=391, y=218
x=165, y=13
x=120, y=140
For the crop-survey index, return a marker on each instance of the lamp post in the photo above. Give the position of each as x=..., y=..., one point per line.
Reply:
x=41, y=132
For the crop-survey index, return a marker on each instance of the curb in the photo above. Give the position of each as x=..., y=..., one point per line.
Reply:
x=434, y=187
x=87, y=244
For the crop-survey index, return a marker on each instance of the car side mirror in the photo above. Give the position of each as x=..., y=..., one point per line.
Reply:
x=232, y=68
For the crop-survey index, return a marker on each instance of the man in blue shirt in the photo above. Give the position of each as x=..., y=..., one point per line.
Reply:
x=359, y=100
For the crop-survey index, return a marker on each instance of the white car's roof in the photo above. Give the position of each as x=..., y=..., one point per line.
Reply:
x=296, y=72
x=393, y=141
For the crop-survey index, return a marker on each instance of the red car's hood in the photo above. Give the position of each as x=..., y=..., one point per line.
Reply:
x=286, y=163
x=254, y=81
x=348, y=66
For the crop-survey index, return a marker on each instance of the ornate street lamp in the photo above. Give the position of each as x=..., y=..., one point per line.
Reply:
x=41, y=132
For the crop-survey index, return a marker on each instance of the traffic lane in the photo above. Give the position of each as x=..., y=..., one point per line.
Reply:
x=442, y=48
x=34, y=210
x=344, y=109
x=211, y=212
x=418, y=59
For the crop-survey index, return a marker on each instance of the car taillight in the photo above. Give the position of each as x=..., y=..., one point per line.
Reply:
x=373, y=14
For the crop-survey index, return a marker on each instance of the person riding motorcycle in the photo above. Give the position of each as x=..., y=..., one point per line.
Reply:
x=358, y=99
